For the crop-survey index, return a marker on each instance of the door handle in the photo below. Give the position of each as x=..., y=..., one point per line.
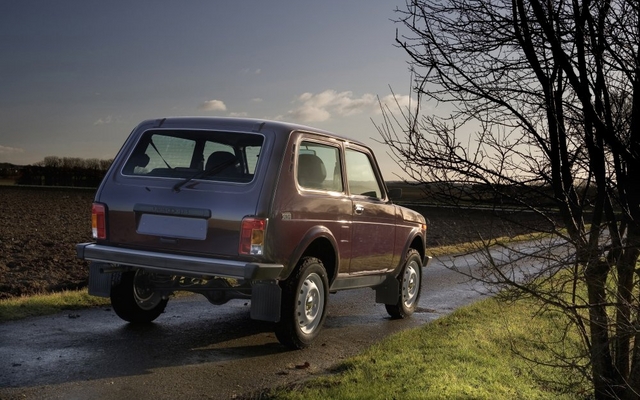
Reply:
x=359, y=209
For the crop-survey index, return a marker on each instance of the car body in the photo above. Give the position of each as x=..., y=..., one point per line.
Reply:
x=278, y=213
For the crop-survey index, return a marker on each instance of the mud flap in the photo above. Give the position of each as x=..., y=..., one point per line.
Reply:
x=99, y=282
x=265, y=301
x=389, y=291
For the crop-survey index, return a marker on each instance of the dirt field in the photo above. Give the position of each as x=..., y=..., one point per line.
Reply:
x=38, y=231
x=39, y=228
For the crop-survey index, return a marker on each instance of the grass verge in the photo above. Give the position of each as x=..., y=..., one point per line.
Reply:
x=469, y=354
x=477, y=245
x=46, y=304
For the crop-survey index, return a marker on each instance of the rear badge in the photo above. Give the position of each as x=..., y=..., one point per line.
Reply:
x=286, y=216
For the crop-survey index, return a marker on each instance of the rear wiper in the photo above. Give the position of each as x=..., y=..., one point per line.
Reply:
x=156, y=149
x=211, y=170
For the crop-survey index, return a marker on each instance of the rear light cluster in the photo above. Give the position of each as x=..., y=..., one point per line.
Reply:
x=252, y=236
x=98, y=221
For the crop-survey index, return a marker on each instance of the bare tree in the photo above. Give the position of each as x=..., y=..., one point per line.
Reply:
x=92, y=163
x=536, y=105
x=71, y=163
x=105, y=164
x=51, y=162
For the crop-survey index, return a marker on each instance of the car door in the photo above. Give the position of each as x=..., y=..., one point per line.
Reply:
x=373, y=215
x=317, y=204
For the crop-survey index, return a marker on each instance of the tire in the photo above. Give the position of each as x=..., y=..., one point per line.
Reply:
x=132, y=302
x=410, y=279
x=304, y=304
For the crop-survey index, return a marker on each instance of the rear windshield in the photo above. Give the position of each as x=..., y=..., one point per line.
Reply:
x=196, y=154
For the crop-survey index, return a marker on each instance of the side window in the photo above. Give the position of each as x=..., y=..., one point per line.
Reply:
x=319, y=167
x=360, y=175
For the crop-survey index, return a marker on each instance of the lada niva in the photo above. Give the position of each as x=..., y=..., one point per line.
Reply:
x=277, y=213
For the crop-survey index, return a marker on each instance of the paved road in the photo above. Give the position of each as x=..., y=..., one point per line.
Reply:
x=196, y=350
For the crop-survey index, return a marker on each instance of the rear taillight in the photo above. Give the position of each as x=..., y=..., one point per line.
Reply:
x=252, y=236
x=98, y=221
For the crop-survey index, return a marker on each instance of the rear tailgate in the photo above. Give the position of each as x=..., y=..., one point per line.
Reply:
x=184, y=190
x=204, y=222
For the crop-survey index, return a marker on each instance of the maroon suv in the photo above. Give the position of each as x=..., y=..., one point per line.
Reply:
x=277, y=213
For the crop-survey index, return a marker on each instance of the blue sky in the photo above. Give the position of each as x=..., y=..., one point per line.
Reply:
x=77, y=76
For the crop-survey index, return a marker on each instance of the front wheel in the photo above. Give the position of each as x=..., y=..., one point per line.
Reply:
x=133, y=301
x=410, y=279
x=304, y=301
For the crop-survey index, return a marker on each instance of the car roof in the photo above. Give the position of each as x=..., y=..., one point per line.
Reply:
x=240, y=124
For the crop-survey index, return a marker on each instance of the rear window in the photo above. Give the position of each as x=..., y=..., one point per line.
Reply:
x=196, y=154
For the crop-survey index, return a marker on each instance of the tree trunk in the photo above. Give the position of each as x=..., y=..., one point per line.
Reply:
x=624, y=328
x=626, y=272
x=633, y=393
x=601, y=360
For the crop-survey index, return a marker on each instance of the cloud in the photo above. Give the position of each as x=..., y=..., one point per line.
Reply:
x=322, y=106
x=257, y=100
x=238, y=114
x=213, y=105
x=103, y=121
x=110, y=119
x=246, y=71
x=394, y=101
x=10, y=150
x=309, y=113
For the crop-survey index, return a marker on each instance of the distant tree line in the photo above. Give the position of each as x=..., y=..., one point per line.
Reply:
x=64, y=171
x=479, y=194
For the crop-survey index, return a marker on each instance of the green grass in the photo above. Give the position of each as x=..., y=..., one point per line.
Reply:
x=466, y=355
x=468, y=247
x=46, y=304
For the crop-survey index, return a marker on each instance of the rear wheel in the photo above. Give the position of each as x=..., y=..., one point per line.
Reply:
x=304, y=301
x=133, y=301
x=410, y=279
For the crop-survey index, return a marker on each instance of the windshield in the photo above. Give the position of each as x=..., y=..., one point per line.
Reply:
x=208, y=155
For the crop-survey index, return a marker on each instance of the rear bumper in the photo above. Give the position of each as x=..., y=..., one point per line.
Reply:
x=174, y=264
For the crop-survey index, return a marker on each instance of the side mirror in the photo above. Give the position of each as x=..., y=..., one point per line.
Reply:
x=395, y=193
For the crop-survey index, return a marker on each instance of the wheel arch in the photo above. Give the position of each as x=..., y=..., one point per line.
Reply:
x=415, y=241
x=320, y=243
x=418, y=244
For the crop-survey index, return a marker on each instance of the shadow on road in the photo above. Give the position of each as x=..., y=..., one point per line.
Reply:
x=93, y=344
